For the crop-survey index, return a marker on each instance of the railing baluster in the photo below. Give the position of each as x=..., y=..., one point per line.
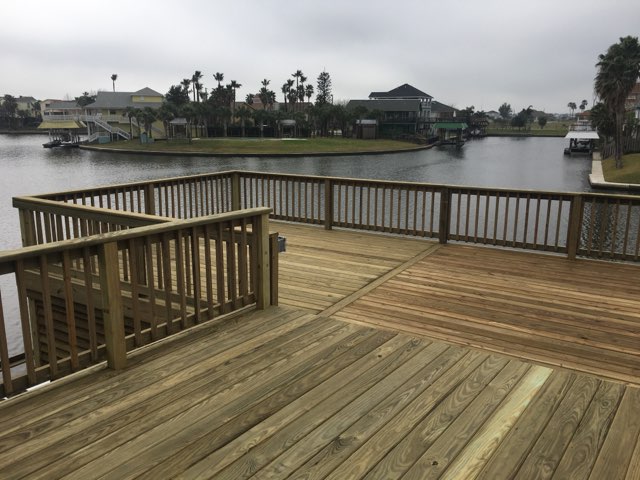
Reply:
x=208, y=270
x=89, y=268
x=614, y=228
x=546, y=224
x=220, y=280
x=7, y=381
x=48, y=317
x=70, y=310
x=195, y=265
x=27, y=339
x=232, y=272
x=135, y=291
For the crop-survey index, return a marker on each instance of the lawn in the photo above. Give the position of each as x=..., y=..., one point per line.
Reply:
x=629, y=173
x=557, y=129
x=266, y=146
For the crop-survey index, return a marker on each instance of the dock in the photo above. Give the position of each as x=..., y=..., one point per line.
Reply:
x=379, y=352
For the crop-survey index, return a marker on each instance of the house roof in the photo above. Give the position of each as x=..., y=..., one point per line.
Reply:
x=403, y=91
x=387, y=105
x=437, y=107
x=147, y=91
x=450, y=126
x=60, y=125
x=22, y=99
x=123, y=99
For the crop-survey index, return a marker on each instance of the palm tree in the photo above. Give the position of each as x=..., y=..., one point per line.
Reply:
x=301, y=89
x=149, y=115
x=234, y=86
x=186, y=83
x=583, y=105
x=130, y=112
x=308, y=91
x=218, y=77
x=264, y=93
x=166, y=113
x=286, y=88
x=195, y=80
x=114, y=77
x=243, y=113
x=618, y=72
x=249, y=99
x=572, y=106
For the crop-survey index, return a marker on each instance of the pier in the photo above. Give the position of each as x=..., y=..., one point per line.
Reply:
x=429, y=331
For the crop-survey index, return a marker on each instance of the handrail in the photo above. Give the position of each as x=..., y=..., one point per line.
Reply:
x=561, y=222
x=130, y=287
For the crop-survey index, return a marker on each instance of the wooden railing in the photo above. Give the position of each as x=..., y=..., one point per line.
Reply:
x=592, y=225
x=83, y=300
x=181, y=197
x=586, y=224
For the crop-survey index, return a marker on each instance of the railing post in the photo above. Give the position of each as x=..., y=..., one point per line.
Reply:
x=575, y=226
x=274, y=251
x=445, y=216
x=235, y=192
x=263, y=287
x=112, y=310
x=150, y=199
x=27, y=228
x=328, y=204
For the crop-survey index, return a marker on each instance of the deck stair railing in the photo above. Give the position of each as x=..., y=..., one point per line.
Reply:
x=85, y=300
x=111, y=129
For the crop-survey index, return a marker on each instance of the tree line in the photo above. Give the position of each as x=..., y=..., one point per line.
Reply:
x=216, y=111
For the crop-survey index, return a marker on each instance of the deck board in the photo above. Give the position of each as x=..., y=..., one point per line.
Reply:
x=582, y=315
x=417, y=369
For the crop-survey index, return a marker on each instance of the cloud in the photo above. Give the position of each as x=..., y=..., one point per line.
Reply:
x=461, y=52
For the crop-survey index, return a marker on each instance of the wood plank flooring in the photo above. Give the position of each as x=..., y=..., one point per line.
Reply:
x=366, y=371
x=583, y=315
x=287, y=394
x=322, y=267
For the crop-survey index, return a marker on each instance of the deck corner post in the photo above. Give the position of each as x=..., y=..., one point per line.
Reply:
x=27, y=228
x=113, y=312
x=575, y=226
x=235, y=192
x=149, y=199
x=328, y=204
x=274, y=252
x=263, y=287
x=445, y=215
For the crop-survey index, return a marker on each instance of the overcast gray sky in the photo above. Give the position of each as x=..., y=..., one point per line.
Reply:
x=481, y=53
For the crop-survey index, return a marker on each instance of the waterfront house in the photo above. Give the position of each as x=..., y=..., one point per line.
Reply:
x=405, y=109
x=109, y=112
x=60, y=109
x=26, y=105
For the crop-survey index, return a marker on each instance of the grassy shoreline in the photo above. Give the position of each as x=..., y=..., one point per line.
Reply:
x=630, y=173
x=265, y=146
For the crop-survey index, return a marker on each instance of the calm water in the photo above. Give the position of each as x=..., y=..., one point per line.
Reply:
x=27, y=168
x=529, y=163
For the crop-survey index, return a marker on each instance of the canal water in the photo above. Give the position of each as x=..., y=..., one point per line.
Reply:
x=500, y=162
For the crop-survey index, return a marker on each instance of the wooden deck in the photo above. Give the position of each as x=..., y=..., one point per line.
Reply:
x=332, y=385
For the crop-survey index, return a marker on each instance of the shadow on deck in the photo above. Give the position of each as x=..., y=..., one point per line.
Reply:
x=365, y=370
